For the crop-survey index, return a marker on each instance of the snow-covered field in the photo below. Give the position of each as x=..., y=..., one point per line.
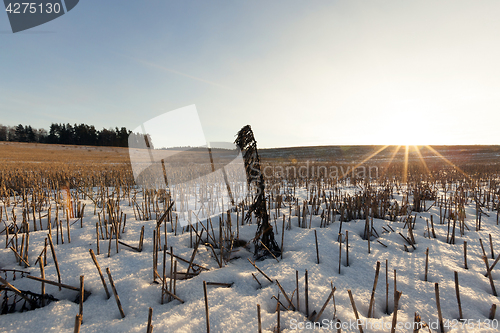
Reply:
x=234, y=309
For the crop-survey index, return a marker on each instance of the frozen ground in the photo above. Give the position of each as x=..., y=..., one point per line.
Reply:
x=234, y=309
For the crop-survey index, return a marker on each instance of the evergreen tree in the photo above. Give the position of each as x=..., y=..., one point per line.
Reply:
x=20, y=134
x=93, y=136
x=53, y=134
x=106, y=137
x=3, y=133
x=30, y=134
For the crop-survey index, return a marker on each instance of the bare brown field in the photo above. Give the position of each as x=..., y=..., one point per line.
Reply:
x=42, y=166
x=35, y=152
x=30, y=165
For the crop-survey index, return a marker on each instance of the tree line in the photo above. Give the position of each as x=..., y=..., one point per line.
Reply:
x=82, y=134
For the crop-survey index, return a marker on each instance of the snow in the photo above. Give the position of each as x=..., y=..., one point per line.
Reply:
x=234, y=309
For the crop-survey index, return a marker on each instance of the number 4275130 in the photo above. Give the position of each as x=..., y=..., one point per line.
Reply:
x=32, y=8
x=471, y=323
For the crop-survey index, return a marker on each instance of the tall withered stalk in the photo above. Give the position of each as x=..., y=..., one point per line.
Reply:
x=264, y=234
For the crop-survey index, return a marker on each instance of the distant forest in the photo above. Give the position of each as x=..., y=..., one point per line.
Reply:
x=67, y=134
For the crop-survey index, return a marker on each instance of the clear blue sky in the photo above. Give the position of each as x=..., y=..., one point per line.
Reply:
x=300, y=72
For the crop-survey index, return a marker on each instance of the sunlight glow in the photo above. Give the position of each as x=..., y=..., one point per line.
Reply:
x=368, y=158
x=409, y=149
x=447, y=161
x=391, y=159
x=422, y=160
x=405, y=170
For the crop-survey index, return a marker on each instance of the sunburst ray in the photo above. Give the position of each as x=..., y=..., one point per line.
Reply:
x=447, y=161
x=365, y=160
x=405, y=169
x=421, y=158
x=391, y=159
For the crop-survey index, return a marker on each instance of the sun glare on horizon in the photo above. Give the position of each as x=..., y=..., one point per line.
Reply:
x=408, y=150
